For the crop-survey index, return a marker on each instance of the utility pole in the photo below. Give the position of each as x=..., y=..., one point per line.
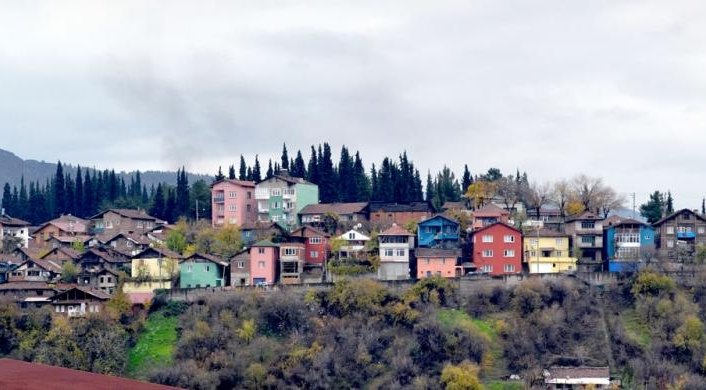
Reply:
x=633, y=206
x=197, y=210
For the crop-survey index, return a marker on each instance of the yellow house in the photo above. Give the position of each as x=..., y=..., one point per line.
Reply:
x=547, y=251
x=151, y=269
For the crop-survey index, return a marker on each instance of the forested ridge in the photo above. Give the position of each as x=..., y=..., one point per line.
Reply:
x=648, y=329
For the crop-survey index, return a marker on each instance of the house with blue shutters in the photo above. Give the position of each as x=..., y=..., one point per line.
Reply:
x=629, y=245
x=438, y=231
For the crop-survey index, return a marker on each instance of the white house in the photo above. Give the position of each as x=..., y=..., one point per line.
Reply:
x=13, y=227
x=354, y=247
x=577, y=377
x=395, y=246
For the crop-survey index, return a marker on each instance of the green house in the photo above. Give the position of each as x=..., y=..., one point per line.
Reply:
x=200, y=270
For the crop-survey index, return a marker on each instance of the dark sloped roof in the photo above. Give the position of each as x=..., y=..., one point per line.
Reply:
x=15, y=374
x=243, y=183
x=67, y=251
x=265, y=243
x=25, y=285
x=211, y=258
x=301, y=232
x=496, y=224
x=159, y=251
x=490, y=210
x=676, y=213
x=544, y=232
x=437, y=252
x=288, y=179
x=261, y=226
x=6, y=220
x=127, y=213
x=440, y=216
x=335, y=208
x=587, y=215
x=95, y=293
x=392, y=207
x=396, y=230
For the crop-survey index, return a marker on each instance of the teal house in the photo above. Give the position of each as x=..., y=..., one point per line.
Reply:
x=200, y=270
x=281, y=197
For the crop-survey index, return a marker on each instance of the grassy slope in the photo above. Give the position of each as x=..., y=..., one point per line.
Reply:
x=636, y=330
x=155, y=346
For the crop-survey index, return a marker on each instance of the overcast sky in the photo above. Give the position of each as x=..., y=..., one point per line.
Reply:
x=615, y=89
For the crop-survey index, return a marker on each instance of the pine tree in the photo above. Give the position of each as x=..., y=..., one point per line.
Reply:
x=385, y=181
x=256, y=175
x=670, y=203
x=243, y=171
x=418, y=194
x=170, y=210
x=89, y=198
x=70, y=195
x=313, y=167
x=7, y=198
x=430, y=188
x=137, y=194
x=298, y=167
x=467, y=179
x=374, y=187
x=362, y=184
x=327, y=179
x=220, y=176
x=270, y=171
x=347, y=190
x=231, y=172
x=59, y=190
x=158, y=203
x=249, y=176
x=113, y=186
x=78, y=193
x=703, y=206
x=182, y=194
x=285, y=157
x=23, y=200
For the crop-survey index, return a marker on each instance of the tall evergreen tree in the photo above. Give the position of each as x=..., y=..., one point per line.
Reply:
x=374, y=187
x=362, y=183
x=249, y=176
x=158, y=203
x=170, y=210
x=7, y=198
x=79, y=193
x=467, y=179
x=347, y=190
x=220, y=176
x=386, y=190
x=655, y=207
x=430, y=189
x=59, y=190
x=70, y=195
x=256, y=174
x=298, y=167
x=231, y=172
x=312, y=169
x=23, y=201
x=327, y=177
x=270, y=172
x=703, y=206
x=418, y=195
x=243, y=171
x=670, y=203
x=89, y=197
x=182, y=194
x=285, y=157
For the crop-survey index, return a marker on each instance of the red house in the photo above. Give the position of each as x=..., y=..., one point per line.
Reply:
x=497, y=249
x=315, y=244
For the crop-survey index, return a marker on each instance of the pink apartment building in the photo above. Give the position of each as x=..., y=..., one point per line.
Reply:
x=264, y=263
x=233, y=202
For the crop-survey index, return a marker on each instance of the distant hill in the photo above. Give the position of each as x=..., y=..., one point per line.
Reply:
x=13, y=168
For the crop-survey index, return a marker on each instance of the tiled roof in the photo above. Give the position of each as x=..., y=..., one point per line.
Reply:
x=265, y=243
x=105, y=255
x=96, y=293
x=490, y=210
x=48, y=265
x=261, y=226
x=401, y=207
x=6, y=220
x=544, y=232
x=497, y=224
x=67, y=251
x=68, y=223
x=674, y=214
x=160, y=251
x=211, y=258
x=396, y=230
x=301, y=232
x=139, y=298
x=288, y=179
x=243, y=183
x=71, y=239
x=128, y=213
x=25, y=285
x=335, y=208
x=578, y=372
x=437, y=252
x=585, y=216
x=33, y=376
x=454, y=206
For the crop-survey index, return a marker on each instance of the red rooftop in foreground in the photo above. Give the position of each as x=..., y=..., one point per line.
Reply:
x=16, y=375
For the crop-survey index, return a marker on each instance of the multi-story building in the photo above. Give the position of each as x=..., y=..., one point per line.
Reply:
x=497, y=249
x=628, y=244
x=64, y=226
x=488, y=215
x=396, y=245
x=548, y=251
x=385, y=214
x=291, y=262
x=233, y=202
x=549, y=216
x=240, y=268
x=678, y=235
x=281, y=197
x=316, y=245
x=202, y=270
x=438, y=232
x=586, y=233
x=13, y=227
x=354, y=246
x=114, y=221
x=264, y=259
x=437, y=262
x=153, y=268
x=344, y=213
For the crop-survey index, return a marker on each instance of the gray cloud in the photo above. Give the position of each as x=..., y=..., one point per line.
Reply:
x=609, y=88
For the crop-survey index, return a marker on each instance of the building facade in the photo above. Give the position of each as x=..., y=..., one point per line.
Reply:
x=264, y=263
x=438, y=232
x=437, y=262
x=281, y=198
x=497, y=249
x=202, y=270
x=679, y=235
x=396, y=247
x=547, y=251
x=586, y=233
x=233, y=202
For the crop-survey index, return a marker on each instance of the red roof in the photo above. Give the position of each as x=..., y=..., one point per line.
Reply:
x=496, y=224
x=396, y=230
x=490, y=210
x=15, y=374
x=243, y=183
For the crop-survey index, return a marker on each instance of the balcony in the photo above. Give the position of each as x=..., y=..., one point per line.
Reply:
x=219, y=199
x=686, y=235
x=263, y=193
x=263, y=209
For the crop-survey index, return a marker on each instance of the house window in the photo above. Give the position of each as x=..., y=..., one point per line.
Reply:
x=231, y=194
x=260, y=264
x=670, y=229
x=487, y=238
x=208, y=268
x=351, y=236
x=389, y=252
x=139, y=224
x=188, y=268
x=509, y=238
x=102, y=279
x=559, y=241
x=487, y=268
x=240, y=264
x=110, y=279
x=275, y=218
x=443, y=261
x=276, y=192
x=509, y=253
x=588, y=225
x=261, y=251
x=587, y=239
x=248, y=208
x=128, y=244
x=290, y=251
x=400, y=252
x=534, y=241
x=57, y=308
x=427, y=261
x=63, y=308
x=314, y=254
x=509, y=268
x=315, y=240
x=701, y=230
x=249, y=195
x=487, y=253
x=670, y=244
x=232, y=207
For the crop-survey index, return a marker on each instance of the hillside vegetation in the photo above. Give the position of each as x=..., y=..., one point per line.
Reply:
x=360, y=334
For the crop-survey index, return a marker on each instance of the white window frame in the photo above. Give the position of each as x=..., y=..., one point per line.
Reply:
x=509, y=253
x=509, y=238
x=487, y=253
x=487, y=238
x=315, y=240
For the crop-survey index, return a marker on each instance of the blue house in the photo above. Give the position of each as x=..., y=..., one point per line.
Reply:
x=438, y=232
x=629, y=244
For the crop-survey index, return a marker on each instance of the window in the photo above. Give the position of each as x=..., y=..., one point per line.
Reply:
x=351, y=236
x=509, y=268
x=249, y=195
x=57, y=308
x=110, y=279
x=670, y=229
x=261, y=251
x=275, y=218
x=588, y=225
x=314, y=254
x=315, y=240
x=686, y=216
x=487, y=253
x=248, y=208
x=188, y=268
x=101, y=279
x=232, y=207
x=128, y=244
x=260, y=264
x=443, y=261
x=487, y=238
x=276, y=192
x=231, y=194
x=428, y=274
x=587, y=239
x=701, y=230
x=140, y=224
x=509, y=253
x=670, y=244
x=509, y=238
x=559, y=241
x=534, y=241
x=239, y=264
x=400, y=252
x=426, y=261
x=487, y=268
x=208, y=268
x=275, y=205
x=63, y=308
x=290, y=251
x=389, y=252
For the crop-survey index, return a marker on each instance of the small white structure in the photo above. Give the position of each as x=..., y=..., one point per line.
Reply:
x=354, y=247
x=577, y=377
x=13, y=227
x=395, y=246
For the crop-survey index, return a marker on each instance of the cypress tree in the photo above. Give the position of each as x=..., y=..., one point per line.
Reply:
x=285, y=157
x=362, y=184
x=347, y=189
x=249, y=175
x=79, y=193
x=89, y=197
x=59, y=190
x=243, y=171
x=182, y=194
x=70, y=195
x=158, y=204
x=170, y=210
x=374, y=187
x=327, y=179
x=418, y=195
x=385, y=181
x=703, y=206
x=670, y=203
x=231, y=172
x=430, y=188
x=467, y=179
x=15, y=202
x=256, y=175
x=298, y=167
x=23, y=201
x=270, y=172
x=7, y=198
x=312, y=169
x=220, y=176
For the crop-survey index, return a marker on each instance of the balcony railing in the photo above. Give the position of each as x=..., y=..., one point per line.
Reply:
x=219, y=199
x=686, y=235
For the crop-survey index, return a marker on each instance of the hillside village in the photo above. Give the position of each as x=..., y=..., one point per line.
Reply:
x=286, y=236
